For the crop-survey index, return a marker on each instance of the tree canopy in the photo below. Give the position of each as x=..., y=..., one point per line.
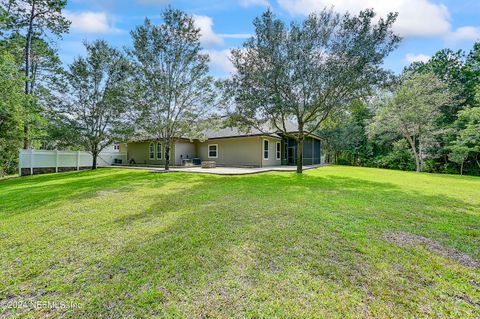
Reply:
x=11, y=113
x=173, y=92
x=302, y=71
x=411, y=112
x=95, y=99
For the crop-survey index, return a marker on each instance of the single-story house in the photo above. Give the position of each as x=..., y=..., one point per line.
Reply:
x=228, y=147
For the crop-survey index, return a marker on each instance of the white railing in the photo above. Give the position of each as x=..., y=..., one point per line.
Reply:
x=54, y=161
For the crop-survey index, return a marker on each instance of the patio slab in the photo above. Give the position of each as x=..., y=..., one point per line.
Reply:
x=223, y=170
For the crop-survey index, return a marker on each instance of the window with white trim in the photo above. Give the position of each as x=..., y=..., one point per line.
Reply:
x=151, y=151
x=278, y=151
x=265, y=149
x=212, y=150
x=159, y=151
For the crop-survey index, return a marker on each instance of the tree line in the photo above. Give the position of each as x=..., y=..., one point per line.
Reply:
x=324, y=73
x=427, y=120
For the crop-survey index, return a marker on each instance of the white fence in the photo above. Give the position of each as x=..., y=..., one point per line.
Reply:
x=42, y=161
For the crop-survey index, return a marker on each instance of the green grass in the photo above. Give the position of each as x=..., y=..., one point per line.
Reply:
x=134, y=244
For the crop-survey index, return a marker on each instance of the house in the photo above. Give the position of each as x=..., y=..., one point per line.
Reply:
x=228, y=147
x=115, y=148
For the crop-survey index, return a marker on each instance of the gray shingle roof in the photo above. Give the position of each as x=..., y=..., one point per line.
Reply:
x=229, y=132
x=234, y=131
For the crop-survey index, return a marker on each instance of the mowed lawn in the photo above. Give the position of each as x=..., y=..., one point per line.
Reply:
x=338, y=242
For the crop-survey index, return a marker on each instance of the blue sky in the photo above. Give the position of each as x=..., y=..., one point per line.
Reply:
x=426, y=25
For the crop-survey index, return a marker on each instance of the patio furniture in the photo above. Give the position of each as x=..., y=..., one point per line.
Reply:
x=209, y=164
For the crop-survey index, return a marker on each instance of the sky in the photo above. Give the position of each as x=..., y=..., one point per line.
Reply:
x=426, y=26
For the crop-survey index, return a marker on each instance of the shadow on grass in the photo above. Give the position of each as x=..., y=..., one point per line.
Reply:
x=28, y=193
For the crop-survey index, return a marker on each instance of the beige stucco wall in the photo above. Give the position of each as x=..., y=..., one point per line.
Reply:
x=271, y=161
x=123, y=147
x=237, y=151
x=138, y=151
x=184, y=150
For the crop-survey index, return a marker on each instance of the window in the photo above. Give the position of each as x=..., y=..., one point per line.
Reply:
x=116, y=147
x=213, y=151
x=278, y=151
x=265, y=149
x=159, y=151
x=151, y=151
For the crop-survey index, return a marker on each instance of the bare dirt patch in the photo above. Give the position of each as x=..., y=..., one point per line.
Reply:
x=403, y=239
x=107, y=192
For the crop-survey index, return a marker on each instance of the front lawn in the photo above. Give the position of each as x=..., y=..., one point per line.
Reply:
x=338, y=242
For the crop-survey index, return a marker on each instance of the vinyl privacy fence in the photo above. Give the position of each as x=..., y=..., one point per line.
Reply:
x=42, y=161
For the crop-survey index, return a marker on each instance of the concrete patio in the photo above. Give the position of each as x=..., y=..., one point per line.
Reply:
x=222, y=170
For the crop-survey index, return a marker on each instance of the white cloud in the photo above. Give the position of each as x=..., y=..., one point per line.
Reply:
x=208, y=37
x=410, y=57
x=463, y=34
x=253, y=3
x=91, y=22
x=416, y=17
x=235, y=35
x=220, y=61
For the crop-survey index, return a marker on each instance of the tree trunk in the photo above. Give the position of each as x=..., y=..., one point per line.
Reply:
x=167, y=156
x=28, y=46
x=26, y=140
x=420, y=155
x=94, y=162
x=461, y=168
x=418, y=168
x=94, y=155
x=300, y=155
x=418, y=163
x=300, y=140
x=411, y=141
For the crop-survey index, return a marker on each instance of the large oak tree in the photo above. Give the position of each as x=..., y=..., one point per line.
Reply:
x=303, y=71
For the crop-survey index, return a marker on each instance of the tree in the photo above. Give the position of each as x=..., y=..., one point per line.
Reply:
x=46, y=70
x=33, y=18
x=459, y=153
x=411, y=111
x=301, y=72
x=96, y=97
x=11, y=110
x=467, y=142
x=4, y=20
x=472, y=74
x=449, y=67
x=173, y=89
x=344, y=134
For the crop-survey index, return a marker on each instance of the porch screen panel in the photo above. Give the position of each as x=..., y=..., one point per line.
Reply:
x=316, y=152
x=308, y=151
